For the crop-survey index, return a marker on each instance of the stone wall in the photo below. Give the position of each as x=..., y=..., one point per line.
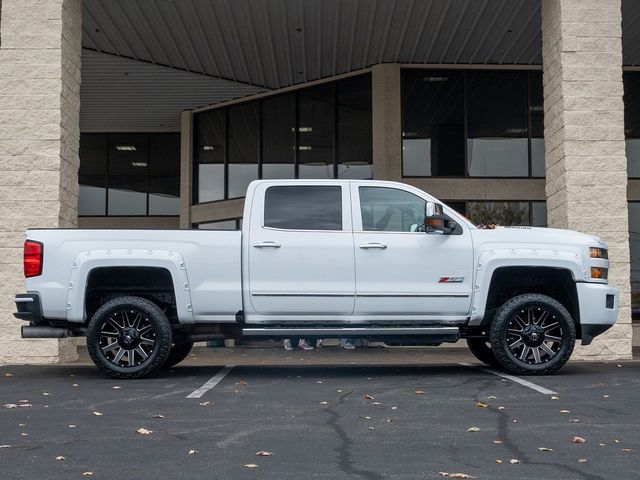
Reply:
x=586, y=167
x=39, y=139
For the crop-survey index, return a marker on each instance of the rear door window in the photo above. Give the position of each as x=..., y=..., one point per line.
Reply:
x=307, y=207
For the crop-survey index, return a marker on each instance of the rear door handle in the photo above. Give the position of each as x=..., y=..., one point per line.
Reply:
x=373, y=246
x=267, y=245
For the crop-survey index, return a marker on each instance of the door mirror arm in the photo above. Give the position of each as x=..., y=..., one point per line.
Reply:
x=436, y=221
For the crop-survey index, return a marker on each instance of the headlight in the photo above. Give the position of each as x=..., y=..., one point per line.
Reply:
x=596, y=252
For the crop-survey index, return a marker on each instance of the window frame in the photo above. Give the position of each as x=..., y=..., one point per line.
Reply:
x=465, y=72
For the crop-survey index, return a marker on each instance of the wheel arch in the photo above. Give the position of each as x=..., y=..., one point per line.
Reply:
x=159, y=276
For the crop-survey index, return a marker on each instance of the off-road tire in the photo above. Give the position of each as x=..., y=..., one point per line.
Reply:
x=178, y=352
x=160, y=326
x=516, y=306
x=481, y=349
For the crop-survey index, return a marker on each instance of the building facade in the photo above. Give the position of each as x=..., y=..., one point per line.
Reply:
x=145, y=114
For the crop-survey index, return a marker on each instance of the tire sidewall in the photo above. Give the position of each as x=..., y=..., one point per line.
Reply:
x=161, y=327
x=500, y=325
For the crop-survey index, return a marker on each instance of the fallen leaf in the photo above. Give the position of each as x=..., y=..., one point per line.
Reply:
x=555, y=398
x=24, y=434
x=263, y=453
x=87, y=474
x=394, y=408
x=454, y=475
x=491, y=397
x=481, y=405
x=473, y=429
x=23, y=401
x=324, y=403
x=74, y=385
x=626, y=449
x=616, y=440
x=10, y=405
x=368, y=397
x=204, y=404
x=251, y=465
x=117, y=387
x=5, y=446
x=192, y=452
x=545, y=449
x=501, y=408
x=72, y=426
x=367, y=418
x=578, y=440
x=97, y=414
x=376, y=403
x=144, y=431
x=565, y=411
x=498, y=460
x=60, y=457
x=602, y=445
x=513, y=461
x=28, y=405
x=497, y=442
x=46, y=394
x=582, y=460
x=157, y=415
x=339, y=391
x=420, y=392
x=8, y=374
x=242, y=382
x=319, y=381
x=371, y=428
x=22, y=425
x=605, y=396
x=574, y=420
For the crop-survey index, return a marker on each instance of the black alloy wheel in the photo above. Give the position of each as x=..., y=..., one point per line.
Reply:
x=128, y=337
x=532, y=334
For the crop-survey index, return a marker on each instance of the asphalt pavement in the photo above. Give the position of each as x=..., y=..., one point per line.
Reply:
x=320, y=422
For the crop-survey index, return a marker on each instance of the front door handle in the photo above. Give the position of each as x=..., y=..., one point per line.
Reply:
x=267, y=245
x=373, y=246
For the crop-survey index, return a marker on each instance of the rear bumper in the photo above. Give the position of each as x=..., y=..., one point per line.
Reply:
x=28, y=307
x=598, y=309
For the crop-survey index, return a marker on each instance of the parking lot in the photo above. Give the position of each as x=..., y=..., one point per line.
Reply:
x=416, y=421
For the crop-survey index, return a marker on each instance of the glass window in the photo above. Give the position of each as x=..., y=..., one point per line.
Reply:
x=497, y=135
x=390, y=210
x=220, y=225
x=210, y=155
x=316, y=131
x=433, y=123
x=538, y=214
x=632, y=121
x=634, y=250
x=92, y=176
x=279, y=136
x=536, y=112
x=244, y=146
x=164, y=172
x=128, y=174
x=355, y=148
x=505, y=214
x=303, y=207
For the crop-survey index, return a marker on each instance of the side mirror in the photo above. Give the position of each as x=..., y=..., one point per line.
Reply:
x=435, y=220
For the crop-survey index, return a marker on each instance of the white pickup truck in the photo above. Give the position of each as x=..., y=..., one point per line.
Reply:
x=321, y=259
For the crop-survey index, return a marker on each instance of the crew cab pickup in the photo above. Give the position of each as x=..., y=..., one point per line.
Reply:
x=321, y=259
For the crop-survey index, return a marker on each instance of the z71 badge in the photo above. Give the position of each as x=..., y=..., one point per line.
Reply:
x=451, y=280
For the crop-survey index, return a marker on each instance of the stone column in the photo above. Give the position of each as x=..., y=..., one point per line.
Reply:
x=387, y=122
x=186, y=168
x=586, y=168
x=39, y=137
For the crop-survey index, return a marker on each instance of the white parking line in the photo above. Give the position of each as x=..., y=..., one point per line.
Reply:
x=524, y=383
x=212, y=382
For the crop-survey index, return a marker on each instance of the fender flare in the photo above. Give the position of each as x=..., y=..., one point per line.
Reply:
x=90, y=260
x=494, y=259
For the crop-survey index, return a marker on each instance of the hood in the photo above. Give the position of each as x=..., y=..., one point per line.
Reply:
x=534, y=237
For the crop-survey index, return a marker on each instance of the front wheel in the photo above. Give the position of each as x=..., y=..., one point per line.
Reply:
x=129, y=337
x=532, y=334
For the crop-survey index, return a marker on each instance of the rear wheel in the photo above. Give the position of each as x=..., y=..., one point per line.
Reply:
x=179, y=351
x=481, y=349
x=532, y=334
x=129, y=337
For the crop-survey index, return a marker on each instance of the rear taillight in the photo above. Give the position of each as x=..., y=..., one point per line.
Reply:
x=32, y=258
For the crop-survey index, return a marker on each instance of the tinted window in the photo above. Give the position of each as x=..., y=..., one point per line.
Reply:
x=316, y=132
x=390, y=210
x=303, y=208
x=279, y=136
x=354, y=128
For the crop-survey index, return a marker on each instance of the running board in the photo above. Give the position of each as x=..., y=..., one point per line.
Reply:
x=347, y=332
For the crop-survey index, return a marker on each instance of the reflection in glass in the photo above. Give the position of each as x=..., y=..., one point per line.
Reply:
x=210, y=154
x=433, y=123
x=316, y=132
x=497, y=144
x=220, y=225
x=92, y=176
x=504, y=214
x=633, y=157
x=536, y=112
x=128, y=172
x=631, y=81
x=164, y=174
x=538, y=214
x=244, y=145
x=278, y=137
x=355, y=146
